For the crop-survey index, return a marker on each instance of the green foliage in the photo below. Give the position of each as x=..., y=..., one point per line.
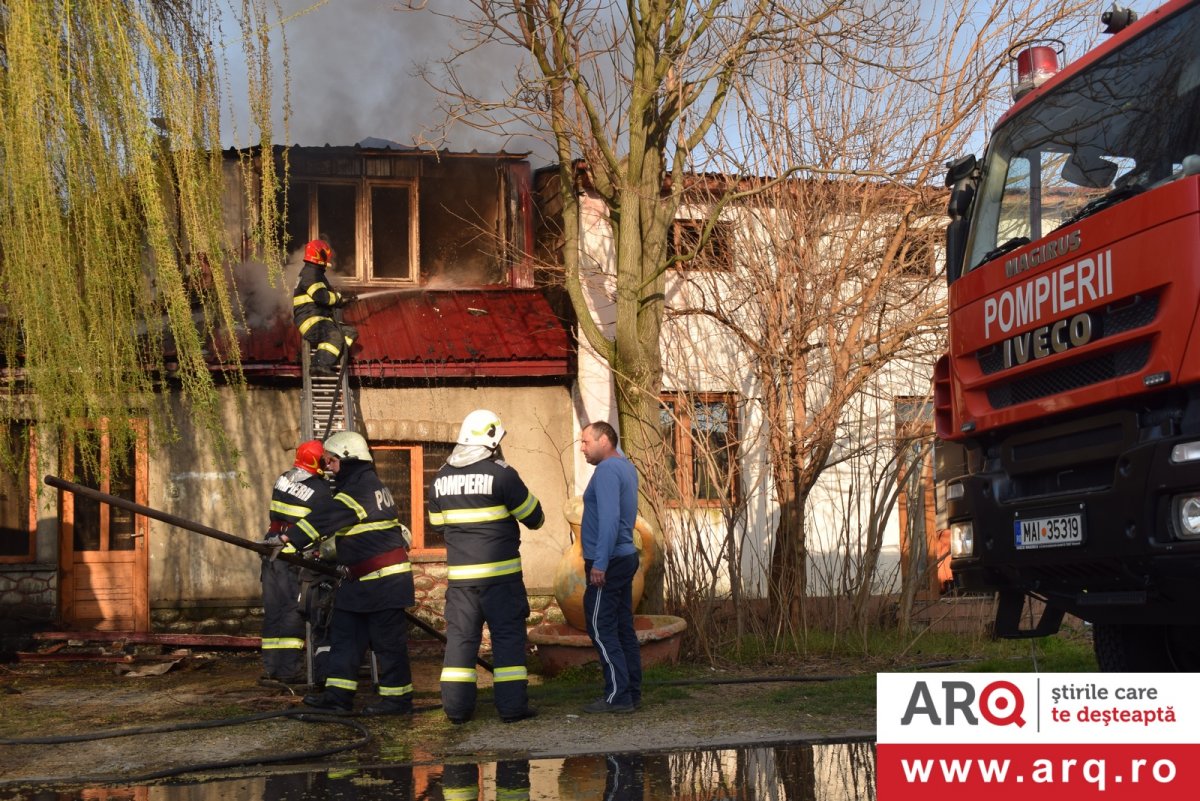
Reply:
x=113, y=246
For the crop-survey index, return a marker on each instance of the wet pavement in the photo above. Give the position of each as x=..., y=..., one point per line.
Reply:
x=842, y=771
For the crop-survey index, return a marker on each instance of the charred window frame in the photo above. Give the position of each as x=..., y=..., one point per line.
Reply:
x=716, y=254
x=701, y=430
x=18, y=491
x=371, y=223
x=408, y=471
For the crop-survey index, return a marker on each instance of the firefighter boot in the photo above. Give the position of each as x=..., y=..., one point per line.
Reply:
x=390, y=706
x=330, y=700
x=323, y=367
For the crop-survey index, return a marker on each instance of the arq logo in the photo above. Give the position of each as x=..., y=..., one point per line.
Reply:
x=1000, y=703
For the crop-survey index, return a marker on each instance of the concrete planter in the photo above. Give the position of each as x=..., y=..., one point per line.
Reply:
x=561, y=646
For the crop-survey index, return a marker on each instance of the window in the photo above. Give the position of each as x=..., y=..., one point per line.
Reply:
x=717, y=253
x=18, y=515
x=702, y=430
x=99, y=526
x=918, y=254
x=371, y=224
x=408, y=471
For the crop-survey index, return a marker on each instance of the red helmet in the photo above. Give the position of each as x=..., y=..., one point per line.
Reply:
x=308, y=456
x=319, y=252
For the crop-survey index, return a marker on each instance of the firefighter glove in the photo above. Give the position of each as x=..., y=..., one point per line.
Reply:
x=276, y=544
x=346, y=299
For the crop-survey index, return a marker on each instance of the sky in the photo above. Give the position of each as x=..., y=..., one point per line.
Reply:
x=352, y=65
x=353, y=74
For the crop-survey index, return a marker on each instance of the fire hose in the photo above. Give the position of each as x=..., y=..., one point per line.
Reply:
x=260, y=548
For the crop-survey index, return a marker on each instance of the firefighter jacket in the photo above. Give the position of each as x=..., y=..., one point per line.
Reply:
x=476, y=508
x=371, y=542
x=293, y=498
x=314, y=298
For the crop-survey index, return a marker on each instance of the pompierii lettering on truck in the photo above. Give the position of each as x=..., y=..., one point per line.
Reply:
x=1049, y=295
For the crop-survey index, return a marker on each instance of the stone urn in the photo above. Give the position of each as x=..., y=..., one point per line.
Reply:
x=569, y=580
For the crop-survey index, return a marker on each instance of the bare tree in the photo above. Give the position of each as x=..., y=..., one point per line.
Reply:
x=831, y=123
x=837, y=278
x=626, y=94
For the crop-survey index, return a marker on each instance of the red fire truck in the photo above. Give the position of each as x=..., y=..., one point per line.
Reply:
x=1069, y=400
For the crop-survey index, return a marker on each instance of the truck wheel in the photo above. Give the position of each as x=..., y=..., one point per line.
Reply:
x=1123, y=648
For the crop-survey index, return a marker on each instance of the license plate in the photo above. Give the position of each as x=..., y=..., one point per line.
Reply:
x=1053, y=531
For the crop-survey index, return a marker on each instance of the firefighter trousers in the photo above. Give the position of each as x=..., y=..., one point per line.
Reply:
x=504, y=607
x=328, y=338
x=283, y=625
x=385, y=632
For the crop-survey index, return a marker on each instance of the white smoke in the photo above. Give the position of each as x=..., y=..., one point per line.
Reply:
x=264, y=303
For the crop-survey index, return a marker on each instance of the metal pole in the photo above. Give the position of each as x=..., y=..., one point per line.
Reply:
x=241, y=542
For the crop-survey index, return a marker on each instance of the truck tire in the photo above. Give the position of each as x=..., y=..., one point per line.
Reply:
x=1123, y=648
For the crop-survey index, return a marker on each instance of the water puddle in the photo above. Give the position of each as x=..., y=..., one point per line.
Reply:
x=822, y=772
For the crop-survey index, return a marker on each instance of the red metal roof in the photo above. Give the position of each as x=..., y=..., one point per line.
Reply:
x=432, y=334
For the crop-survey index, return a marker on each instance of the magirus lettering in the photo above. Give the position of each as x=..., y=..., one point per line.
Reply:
x=1060, y=246
x=1054, y=338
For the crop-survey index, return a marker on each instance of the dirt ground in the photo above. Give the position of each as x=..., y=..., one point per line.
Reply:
x=56, y=700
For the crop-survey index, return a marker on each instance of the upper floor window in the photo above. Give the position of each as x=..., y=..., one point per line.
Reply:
x=716, y=254
x=372, y=225
x=918, y=254
x=18, y=515
x=702, y=431
x=408, y=471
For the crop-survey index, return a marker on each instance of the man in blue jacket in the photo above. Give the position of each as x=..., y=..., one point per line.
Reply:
x=610, y=561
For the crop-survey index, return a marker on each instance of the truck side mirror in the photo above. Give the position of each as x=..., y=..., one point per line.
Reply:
x=962, y=177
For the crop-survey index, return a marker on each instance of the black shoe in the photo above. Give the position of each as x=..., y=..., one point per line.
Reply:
x=389, y=707
x=600, y=705
x=528, y=713
x=458, y=721
x=327, y=702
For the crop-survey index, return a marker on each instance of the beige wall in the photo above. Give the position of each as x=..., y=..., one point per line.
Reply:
x=186, y=480
x=539, y=444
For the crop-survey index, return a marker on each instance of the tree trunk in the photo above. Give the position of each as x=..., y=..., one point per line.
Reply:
x=789, y=568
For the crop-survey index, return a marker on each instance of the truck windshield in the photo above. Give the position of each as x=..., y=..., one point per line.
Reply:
x=1122, y=126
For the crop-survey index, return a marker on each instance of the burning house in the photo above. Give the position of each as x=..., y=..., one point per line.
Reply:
x=437, y=247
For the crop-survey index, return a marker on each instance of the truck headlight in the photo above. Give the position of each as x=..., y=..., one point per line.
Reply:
x=1185, y=452
x=962, y=537
x=1187, y=516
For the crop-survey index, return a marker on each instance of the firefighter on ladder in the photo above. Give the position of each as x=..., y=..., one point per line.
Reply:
x=313, y=305
x=476, y=502
x=295, y=494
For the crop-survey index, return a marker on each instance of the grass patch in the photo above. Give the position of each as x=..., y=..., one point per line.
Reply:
x=886, y=650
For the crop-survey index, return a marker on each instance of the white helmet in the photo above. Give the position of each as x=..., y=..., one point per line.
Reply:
x=348, y=445
x=481, y=427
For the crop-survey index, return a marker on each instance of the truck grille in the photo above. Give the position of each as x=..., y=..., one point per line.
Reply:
x=1115, y=318
x=1067, y=377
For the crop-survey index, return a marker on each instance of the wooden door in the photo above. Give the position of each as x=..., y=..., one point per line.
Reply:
x=102, y=549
